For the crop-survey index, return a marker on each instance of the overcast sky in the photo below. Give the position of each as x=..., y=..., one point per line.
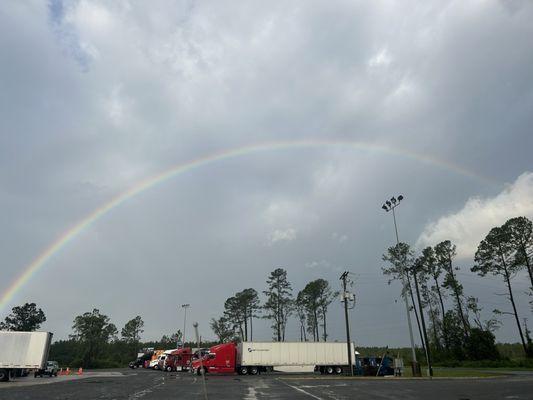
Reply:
x=96, y=96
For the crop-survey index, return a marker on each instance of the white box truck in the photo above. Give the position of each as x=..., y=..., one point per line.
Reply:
x=22, y=350
x=254, y=357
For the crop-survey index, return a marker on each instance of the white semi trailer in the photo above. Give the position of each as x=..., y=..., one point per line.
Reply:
x=22, y=350
x=254, y=357
x=326, y=357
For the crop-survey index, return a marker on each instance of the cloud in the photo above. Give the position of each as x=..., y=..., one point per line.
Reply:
x=321, y=266
x=381, y=59
x=116, y=105
x=469, y=226
x=341, y=238
x=100, y=95
x=283, y=235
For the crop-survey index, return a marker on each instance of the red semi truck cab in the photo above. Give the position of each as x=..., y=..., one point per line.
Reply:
x=220, y=359
x=178, y=360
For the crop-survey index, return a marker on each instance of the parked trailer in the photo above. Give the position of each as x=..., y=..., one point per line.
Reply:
x=23, y=350
x=255, y=357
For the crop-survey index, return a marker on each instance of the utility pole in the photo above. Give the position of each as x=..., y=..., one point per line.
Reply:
x=184, y=306
x=344, y=277
x=388, y=206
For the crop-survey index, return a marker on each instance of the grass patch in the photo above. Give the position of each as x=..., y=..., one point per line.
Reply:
x=473, y=373
x=437, y=373
x=516, y=363
x=454, y=373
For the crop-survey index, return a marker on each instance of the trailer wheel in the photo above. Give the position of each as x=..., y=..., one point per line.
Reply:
x=4, y=375
x=169, y=369
x=329, y=370
x=338, y=370
x=254, y=371
x=243, y=371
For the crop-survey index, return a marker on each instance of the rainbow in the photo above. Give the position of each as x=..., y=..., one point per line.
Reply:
x=74, y=231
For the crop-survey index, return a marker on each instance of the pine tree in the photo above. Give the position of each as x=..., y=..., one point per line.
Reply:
x=278, y=305
x=494, y=256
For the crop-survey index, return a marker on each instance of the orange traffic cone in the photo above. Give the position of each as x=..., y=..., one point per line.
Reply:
x=80, y=371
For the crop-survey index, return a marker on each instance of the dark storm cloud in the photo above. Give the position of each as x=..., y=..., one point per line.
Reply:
x=96, y=96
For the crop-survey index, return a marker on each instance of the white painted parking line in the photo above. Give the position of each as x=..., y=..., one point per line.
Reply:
x=251, y=395
x=144, y=392
x=301, y=390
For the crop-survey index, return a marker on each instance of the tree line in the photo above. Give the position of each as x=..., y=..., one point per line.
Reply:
x=95, y=340
x=309, y=306
x=456, y=329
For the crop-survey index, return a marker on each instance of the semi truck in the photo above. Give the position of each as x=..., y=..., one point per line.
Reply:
x=23, y=351
x=155, y=358
x=256, y=357
x=178, y=359
x=141, y=361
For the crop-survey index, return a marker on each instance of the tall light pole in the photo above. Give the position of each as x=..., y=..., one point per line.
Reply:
x=415, y=269
x=390, y=205
x=198, y=342
x=184, y=306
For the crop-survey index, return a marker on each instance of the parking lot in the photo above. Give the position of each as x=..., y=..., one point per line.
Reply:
x=145, y=384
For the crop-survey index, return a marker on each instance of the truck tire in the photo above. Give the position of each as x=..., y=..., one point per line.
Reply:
x=243, y=371
x=338, y=370
x=254, y=370
x=4, y=375
x=329, y=370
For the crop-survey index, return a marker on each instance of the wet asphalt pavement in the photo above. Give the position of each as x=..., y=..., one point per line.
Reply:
x=145, y=385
